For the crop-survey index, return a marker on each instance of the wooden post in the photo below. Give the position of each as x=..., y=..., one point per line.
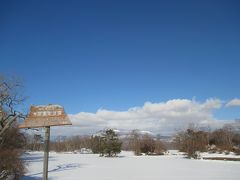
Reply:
x=46, y=150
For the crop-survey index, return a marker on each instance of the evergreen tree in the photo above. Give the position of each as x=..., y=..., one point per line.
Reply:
x=112, y=145
x=106, y=144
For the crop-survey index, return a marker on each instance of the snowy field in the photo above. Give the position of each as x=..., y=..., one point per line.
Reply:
x=69, y=166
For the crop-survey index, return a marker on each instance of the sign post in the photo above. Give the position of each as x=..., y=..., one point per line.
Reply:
x=46, y=151
x=46, y=116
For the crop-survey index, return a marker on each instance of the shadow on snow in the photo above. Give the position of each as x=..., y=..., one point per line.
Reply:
x=37, y=158
x=63, y=167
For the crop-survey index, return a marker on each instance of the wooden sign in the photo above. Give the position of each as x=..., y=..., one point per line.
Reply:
x=42, y=116
x=46, y=116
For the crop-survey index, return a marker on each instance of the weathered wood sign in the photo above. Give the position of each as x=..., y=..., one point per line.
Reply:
x=46, y=116
x=42, y=116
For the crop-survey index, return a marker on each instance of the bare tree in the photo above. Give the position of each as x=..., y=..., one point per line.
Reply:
x=191, y=141
x=11, y=139
x=223, y=138
x=147, y=144
x=134, y=142
x=10, y=98
x=160, y=148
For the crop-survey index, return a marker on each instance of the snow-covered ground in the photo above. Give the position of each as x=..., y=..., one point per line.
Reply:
x=69, y=166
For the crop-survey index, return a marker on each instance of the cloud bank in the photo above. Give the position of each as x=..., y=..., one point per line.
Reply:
x=160, y=118
x=233, y=102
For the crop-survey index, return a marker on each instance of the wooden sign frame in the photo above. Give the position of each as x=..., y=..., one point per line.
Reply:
x=42, y=116
x=46, y=116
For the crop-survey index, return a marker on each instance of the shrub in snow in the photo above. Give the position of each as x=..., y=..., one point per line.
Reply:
x=145, y=144
x=160, y=148
x=11, y=165
x=222, y=138
x=225, y=139
x=191, y=141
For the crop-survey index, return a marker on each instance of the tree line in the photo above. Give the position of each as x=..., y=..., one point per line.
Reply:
x=192, y=141
x=106, y=143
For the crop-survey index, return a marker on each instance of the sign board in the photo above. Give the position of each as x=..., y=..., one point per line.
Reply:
x=43, y=116
x=46, y=116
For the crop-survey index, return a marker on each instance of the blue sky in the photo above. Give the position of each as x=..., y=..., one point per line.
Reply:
x=90, y=55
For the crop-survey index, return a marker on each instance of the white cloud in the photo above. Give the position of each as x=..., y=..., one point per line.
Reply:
x=164, y=117
x=233, y=102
